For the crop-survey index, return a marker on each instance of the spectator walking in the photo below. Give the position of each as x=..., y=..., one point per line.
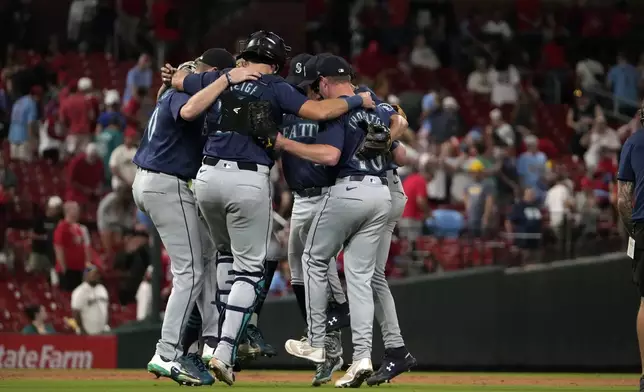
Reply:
x=71, y=246
x=38, y=325
x=479, y=201
x=139, y=76
x=42, y=254
x=85, y=176
x=23, y=131
x=90, y=304
x=121, y=166
x=76, y=114
x=623, y=80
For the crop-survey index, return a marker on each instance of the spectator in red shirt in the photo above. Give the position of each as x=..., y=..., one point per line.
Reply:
x=85, y=86
x=417, y=207
x=85, y=176
x=133, y=106
x=71, y=245
x=553, y=55
x=77, y=115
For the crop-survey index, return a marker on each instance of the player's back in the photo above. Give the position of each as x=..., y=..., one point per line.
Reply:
x=170, y=144
x=301, y=173
x=349, y=164
x=228, y=134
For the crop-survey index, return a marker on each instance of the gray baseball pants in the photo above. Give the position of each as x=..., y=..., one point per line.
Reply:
x=236, y=205
x=385, y=307
x=170, y=204
x=353, y=213
x=302, y=216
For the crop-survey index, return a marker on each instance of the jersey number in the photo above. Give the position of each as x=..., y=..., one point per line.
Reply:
x=152, y=123
x=377, y=164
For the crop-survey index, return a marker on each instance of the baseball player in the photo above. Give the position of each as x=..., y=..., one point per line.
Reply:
x=397, y=359
x=167, y=160
x=354, y=213
x=233, y=186
x=310, y=182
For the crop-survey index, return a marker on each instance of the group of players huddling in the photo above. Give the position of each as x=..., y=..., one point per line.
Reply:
x=203, y=180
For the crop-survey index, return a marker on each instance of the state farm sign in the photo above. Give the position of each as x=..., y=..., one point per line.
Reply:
x=57, y=351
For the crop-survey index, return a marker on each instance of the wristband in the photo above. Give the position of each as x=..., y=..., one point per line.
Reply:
x=230, y=81
x=354, y=102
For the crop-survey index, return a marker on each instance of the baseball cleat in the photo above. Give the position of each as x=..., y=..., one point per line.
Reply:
x=391, y=367
x=207, y=353
x=190, y=370
x=222, y=371
x=338, y=317
x=302, y=349
x=357, y=373
x=160, y=367
x=256, y=338
x=248, y=350
x=323, y=372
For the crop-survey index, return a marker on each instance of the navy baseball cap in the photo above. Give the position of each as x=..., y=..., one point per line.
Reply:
x=218, y=58
x=297, y=69
x=333, y=66
x=311, y=73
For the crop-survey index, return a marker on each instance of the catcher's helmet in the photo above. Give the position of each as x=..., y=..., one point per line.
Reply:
x=266, y=47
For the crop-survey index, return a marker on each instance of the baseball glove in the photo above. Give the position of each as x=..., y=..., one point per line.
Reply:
x=262, y=124
x=376, y=142
x=399, y=110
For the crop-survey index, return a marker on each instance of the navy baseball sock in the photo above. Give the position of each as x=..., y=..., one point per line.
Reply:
x=191, y=332
x=298, y=289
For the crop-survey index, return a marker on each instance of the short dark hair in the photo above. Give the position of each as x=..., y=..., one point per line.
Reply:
x=31, y=311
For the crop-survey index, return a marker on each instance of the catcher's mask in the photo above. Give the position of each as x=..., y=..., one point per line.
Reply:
x=265, y=47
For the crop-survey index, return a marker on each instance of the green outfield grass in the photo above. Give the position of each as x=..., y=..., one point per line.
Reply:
x=104, y=381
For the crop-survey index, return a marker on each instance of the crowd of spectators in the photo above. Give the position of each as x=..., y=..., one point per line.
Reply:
x=500, y=178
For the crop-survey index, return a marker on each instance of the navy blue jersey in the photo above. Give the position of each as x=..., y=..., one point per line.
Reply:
x=170, y=144
x=234, y=146
x=301, y=173
x=345, y=134
x=379, y=102
x=631, y=169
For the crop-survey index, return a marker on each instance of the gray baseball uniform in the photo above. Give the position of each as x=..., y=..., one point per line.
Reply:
x=353, y=214
x=171, y=207
x=385, y=307
x=304, y=211
x=168, y=157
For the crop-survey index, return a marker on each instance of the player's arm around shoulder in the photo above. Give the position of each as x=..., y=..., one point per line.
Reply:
x=203, y=99
x=326, y=151
x=399, y=153
x=329, y=109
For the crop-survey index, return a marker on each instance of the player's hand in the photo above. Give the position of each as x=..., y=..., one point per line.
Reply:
x=367, y=100
x=166, y=74
x=238, y=75
x=279, y=141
